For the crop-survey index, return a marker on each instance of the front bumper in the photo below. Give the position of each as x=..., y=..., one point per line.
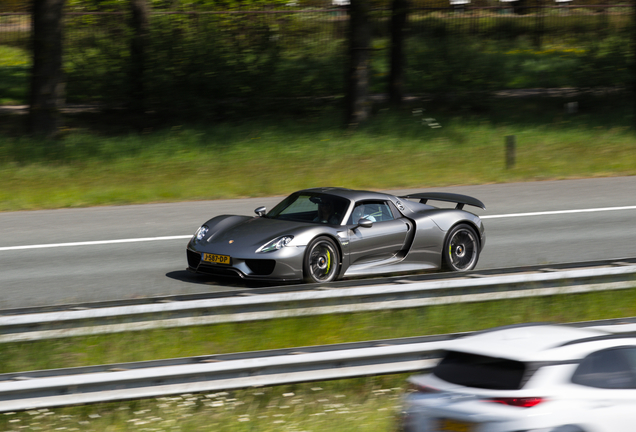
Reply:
x=282, y=265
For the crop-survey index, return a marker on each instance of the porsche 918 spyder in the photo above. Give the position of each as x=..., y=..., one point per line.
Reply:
x=319, y=235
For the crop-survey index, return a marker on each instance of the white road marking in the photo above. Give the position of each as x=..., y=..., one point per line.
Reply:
x=183, y=237
x=92, y=243
x=559, y=212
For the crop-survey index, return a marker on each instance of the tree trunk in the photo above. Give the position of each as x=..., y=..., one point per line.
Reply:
x=140, y=23
x=47, y=79
x=399, y=11
x=358, y=103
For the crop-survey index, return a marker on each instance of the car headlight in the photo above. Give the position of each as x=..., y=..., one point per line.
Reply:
x=276, y=244
x=201, y=232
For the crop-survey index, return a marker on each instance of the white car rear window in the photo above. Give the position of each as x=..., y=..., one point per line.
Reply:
x=472, y=370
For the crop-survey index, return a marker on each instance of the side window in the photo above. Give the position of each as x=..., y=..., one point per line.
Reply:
x=630, y=354
x=608, y=369
x=394, y=210
x=375, y=211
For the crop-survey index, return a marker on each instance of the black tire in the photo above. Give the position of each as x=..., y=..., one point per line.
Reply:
x=322, y=261
x=461, y=249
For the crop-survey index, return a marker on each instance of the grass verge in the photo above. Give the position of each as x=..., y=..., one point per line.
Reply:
x=109, y=164
x=370, y=408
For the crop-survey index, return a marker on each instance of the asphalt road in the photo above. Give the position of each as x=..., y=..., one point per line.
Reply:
x=77, y=255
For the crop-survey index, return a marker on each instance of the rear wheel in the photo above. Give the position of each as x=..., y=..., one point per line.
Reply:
x=322, y=260
x=461, y=249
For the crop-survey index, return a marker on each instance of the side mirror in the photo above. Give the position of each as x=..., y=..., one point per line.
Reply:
x=260, y=211
x=364, y=223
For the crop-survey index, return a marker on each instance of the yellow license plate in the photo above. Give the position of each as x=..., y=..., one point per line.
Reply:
x=217, y=259
x=450, y=425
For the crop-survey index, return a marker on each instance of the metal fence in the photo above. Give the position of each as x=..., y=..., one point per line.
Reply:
x=207, y=56
x=540, y=17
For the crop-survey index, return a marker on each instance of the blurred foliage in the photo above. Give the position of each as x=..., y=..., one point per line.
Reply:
x=226, y=65
x=221, y=5
x=179, y=5
x=14, y=6
x=200, y=63
x=13, y=74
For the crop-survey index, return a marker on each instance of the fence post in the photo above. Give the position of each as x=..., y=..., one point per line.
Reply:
x=511, y=151
x=538, y=30
x=47, y=80
x=140, y=22
x=399, y=15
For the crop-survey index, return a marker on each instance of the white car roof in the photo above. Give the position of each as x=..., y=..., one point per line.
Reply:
x=537, y=342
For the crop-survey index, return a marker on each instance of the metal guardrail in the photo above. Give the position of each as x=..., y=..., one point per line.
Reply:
x=47, y=389
x=395, y=293
x=122, y=383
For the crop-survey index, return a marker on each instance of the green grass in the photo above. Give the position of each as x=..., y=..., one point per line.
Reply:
x=109, y=163
x=291, y=408
x=362, y=404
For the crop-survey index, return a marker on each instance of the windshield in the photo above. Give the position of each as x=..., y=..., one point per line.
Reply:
x=311, y=207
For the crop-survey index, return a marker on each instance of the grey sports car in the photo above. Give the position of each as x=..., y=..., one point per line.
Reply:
x=322, y=234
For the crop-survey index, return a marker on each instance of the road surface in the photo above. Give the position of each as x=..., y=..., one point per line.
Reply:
x=110, y=253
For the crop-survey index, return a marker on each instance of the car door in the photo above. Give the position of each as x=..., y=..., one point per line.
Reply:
x=608, y=395
x=383, y=240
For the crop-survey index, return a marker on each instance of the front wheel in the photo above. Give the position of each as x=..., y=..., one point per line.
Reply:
x=461, y=249
x=321, y=261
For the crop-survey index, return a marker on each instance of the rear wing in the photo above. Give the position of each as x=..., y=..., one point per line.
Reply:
x=461, y=200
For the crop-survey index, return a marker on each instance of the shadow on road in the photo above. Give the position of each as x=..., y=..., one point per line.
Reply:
x=189, y=277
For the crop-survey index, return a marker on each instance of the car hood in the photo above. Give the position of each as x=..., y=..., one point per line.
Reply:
x=253, y=233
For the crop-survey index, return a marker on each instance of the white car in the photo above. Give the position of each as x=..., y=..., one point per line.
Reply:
x=530, y=378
